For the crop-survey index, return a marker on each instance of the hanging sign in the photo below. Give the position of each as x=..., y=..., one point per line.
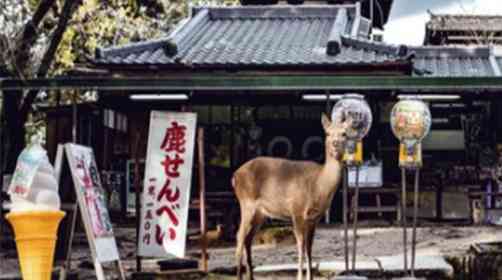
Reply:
x=91, y=201
x=167, y=181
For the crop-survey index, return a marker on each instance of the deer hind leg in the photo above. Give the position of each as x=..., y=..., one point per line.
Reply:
x=246, y=226
x=310, y=232
x=299, y=230
x=248, y=242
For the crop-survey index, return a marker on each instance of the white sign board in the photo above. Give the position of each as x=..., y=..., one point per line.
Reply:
x=167, y=181
x=370, y=175
x=91, y=200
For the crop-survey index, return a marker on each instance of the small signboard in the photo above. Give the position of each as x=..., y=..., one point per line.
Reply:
x=370, y=175
x=91, y=200
x=130, y=179
x=167, y=181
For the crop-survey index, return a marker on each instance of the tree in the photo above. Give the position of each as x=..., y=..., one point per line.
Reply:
x=44, y=38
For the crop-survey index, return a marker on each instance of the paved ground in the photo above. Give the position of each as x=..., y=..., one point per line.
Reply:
x=328, y=247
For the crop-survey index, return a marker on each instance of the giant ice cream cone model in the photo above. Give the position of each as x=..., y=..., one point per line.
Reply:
x=36, y=235
x=35, y=214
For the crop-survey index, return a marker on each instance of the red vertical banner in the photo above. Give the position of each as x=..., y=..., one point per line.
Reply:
x=168, y=174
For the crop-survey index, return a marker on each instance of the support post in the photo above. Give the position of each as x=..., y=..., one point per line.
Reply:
x=138, y=188
x=403, y=217
x=202, y=200
x=414, y=230
x=59, y=167
x=327, y=216
x=74, y=123
x=345, y=216
x=356, y=210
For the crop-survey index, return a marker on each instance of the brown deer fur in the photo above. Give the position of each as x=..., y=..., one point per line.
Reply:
x=299, y=191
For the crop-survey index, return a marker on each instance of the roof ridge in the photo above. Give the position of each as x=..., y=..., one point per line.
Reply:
x=380, y=47
x=337, y=30
x=277, y=11
x=466, y=15
x=169, y=42
x=131, y=47
x=452, y=51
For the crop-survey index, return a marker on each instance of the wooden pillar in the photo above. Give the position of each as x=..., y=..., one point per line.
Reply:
x=439, y=200
x=232, y=136
x=139, y=188
x=202, y=200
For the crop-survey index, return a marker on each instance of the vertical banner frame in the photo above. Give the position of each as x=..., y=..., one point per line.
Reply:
x=167, y=184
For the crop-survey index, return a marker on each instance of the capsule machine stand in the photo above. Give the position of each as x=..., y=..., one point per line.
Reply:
x=410, y=159
x=411, y=122
x=354, y=109
x=353, y=160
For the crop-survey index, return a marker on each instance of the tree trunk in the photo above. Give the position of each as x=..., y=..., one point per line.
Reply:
x=17, y=108
x=15, y=130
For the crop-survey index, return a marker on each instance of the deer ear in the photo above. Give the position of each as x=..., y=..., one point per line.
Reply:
x=326, y=123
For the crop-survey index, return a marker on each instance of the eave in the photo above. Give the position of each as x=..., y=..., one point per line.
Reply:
x=462, y=85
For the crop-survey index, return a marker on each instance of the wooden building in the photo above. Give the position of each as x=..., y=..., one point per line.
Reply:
x=446, y=29
x=259, y=78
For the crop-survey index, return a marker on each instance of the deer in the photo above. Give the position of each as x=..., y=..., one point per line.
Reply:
x=298, y=191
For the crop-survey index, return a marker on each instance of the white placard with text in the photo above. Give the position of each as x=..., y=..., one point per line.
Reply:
x=167, y=182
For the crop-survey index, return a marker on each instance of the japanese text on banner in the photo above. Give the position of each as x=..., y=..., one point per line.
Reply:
x=167, y=184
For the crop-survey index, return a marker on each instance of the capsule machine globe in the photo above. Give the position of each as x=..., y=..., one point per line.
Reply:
x=354, y=109
x=410, y=122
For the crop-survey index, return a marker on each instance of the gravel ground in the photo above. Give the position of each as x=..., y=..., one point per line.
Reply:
x=328, y=246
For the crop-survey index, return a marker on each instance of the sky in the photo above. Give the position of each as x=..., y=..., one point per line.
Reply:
x=407, y=20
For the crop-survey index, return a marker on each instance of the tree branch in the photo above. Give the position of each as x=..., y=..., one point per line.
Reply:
x=50, y=53
x=29, y=35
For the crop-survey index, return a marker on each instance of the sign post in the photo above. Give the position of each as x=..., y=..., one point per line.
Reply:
x=92, y=205
x=167, y=182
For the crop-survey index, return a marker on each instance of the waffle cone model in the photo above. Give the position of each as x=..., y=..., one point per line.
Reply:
x=36, y=235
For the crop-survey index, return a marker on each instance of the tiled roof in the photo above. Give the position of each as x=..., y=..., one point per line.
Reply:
x=454, y=61
x=465, y=23
x=258, y=36
x=381, y=8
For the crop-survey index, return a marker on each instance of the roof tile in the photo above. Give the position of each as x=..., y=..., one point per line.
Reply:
x=453, y=61
x=273, y=36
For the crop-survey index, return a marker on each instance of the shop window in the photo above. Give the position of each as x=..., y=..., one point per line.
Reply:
x=219, y=115
x=202, y=114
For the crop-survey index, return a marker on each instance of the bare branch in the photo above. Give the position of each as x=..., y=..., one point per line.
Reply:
x=50, y=54
x=29, y=35
x=56, y=38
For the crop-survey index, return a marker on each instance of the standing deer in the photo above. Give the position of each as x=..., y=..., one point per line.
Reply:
x=299, y=191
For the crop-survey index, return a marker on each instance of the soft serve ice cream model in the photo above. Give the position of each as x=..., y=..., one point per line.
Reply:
x=35, y=214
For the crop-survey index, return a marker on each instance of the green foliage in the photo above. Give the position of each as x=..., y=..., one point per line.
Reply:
x=93, y=23
x=105, y=23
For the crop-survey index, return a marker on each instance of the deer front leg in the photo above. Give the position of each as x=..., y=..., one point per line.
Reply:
x=299, y=229
x=308, y=249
